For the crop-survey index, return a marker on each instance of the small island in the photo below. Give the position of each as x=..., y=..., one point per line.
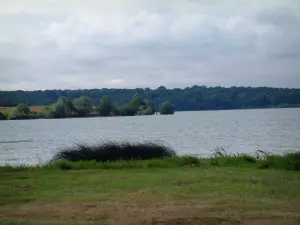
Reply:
x=83, y=107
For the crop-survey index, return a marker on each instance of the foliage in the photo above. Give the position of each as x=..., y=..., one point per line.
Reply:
x=2, y=116
x=22, y=108
x=155, y=156
x=83, y=106
x=190, y=98
x=289, y=161
x=145, y=108
x=48, y=113
x=63, y=108
x=166, y=108
x=105, y=107
x=113, y=151
x=22, y=111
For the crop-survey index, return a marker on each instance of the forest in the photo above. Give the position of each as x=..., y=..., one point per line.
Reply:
x=189, y=98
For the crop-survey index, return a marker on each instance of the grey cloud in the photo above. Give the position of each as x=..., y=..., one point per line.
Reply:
x=282, y=39
x=82, y=55
x=279, y=17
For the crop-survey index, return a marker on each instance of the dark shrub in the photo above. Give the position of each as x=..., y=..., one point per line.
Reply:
x=113, y=151
x=2, y=116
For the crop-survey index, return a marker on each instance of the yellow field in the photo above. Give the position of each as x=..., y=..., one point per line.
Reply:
x=6, y=109
x=32, y=108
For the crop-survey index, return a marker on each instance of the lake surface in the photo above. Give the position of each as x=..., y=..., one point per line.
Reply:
x=243, y=131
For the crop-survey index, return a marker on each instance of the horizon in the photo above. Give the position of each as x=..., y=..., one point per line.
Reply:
x=127, y=44
x=144, y=88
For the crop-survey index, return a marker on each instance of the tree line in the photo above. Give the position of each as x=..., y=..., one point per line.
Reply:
x=190, y=98
x=83, y=107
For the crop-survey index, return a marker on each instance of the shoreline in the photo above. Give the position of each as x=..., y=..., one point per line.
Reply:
x=118, y=116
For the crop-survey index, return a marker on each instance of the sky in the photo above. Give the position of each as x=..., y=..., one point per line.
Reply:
x=75, y=44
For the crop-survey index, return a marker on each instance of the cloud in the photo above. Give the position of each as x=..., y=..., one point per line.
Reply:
x=71, y=44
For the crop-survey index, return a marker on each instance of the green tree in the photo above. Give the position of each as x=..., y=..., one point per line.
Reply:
x=145, y=108
x=189, y=98
x=22, y=109
x=136, y=102
x=83, y=106
x=48, y=112
x=63, y=108
x=105, y=107
x=166, y=108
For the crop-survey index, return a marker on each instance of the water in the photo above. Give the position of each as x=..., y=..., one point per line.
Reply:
x=243, y=131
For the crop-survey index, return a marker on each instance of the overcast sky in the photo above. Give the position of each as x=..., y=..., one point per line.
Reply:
x=70, y=44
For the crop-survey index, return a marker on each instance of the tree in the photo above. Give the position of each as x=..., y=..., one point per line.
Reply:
x=22, y=109
x=48, y=112
x=136, y=102
x=63, y=108
x=166, y=108
x=190, y=98
x=83, y=106
x=105, y=107
x=145, y=108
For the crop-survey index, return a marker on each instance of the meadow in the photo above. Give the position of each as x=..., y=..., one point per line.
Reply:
x=224, y=189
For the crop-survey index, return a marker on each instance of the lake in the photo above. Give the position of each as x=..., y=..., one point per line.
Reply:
x=197, y=133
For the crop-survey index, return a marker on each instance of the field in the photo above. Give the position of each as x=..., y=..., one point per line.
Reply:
x=6, y=110
x=32, y=108
x=200, y=194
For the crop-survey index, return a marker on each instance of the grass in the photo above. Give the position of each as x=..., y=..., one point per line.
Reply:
x=114, y=151
x=289, y=161
x=225, y=189
x=178, y=195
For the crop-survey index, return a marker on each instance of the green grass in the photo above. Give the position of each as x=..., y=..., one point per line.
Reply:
x=173, y=190
x=289, y=161
x=54, y=196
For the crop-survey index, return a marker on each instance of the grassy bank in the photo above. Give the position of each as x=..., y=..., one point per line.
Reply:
x=290, y=162
x=238, y=189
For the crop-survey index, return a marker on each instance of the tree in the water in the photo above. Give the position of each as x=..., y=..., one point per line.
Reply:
x=83, y=106
x=105, y=107
x=166, y=108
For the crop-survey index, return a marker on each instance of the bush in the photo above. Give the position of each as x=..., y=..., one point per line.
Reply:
x=113, y=151
x=289, y=161
x=48, y=112
x=21, y=116
x=166, y=108
x=2, y=116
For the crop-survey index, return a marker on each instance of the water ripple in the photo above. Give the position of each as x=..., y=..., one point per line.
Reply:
x=17, y=141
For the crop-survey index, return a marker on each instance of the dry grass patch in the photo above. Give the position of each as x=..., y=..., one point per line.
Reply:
x=176, y=212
